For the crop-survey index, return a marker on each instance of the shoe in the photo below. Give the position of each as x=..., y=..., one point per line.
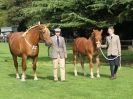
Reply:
x=112, y=78
x=115, y=76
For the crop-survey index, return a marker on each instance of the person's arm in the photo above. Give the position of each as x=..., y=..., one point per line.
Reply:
x=119, y=46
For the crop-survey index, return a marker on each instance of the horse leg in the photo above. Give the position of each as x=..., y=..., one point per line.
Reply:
x=34, y=67
x=98, y=66
x=75, y=69
x=82, y=65
x=91, y=66
x=16, y=66
x=24, y=57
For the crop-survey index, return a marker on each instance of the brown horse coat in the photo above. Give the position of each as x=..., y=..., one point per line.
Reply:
x=25, y=44
x=87, y=47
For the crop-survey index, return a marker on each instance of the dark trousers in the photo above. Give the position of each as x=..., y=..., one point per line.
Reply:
x=114, y=64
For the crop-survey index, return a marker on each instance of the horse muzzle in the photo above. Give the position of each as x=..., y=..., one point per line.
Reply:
x=98, y=44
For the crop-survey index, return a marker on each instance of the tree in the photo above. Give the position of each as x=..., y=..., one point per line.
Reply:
x=72, y=13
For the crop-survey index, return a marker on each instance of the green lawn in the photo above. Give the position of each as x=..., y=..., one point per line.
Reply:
x=79, y=87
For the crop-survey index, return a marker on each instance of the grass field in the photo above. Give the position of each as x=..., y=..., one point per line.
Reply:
x=79, y=87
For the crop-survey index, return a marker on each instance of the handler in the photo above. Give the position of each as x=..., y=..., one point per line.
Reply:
x=58, y=54
x=113, y=51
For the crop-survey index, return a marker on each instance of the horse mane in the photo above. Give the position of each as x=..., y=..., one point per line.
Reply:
x=29, y=29
x=92, y=36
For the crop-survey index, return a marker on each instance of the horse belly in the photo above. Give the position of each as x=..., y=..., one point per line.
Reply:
x=15, y=50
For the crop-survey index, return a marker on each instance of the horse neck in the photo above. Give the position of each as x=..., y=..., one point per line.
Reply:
x=93, y=43
x=33, y=36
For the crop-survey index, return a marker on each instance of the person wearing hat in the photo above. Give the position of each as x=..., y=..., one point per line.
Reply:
x=113, y=51
x=58, y=54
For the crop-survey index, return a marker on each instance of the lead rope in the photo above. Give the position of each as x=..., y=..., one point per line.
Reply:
x=110, y=59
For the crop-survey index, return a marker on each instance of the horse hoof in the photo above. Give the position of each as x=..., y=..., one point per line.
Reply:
x=92, y=77
x=98, y=76
x=17, y=77
x=76, y=74
x=23, y=80
x=35, y=78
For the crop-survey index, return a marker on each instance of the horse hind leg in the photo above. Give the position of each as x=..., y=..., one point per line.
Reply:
x=75, y=67
x=16, y=66
x=98, y=67
x=82, y=65
x=34, y=68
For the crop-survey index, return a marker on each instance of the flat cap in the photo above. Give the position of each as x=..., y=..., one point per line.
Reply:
x=57, y=30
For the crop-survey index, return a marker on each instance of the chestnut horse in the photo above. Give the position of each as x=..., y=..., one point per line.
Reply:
x=25, y=44
x=87, y=47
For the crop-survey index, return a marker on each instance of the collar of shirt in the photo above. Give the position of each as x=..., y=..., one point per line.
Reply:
x=111, y=35
x=57, y=36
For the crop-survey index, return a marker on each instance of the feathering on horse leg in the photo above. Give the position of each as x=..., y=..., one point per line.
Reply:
x=34, y=68
x=23, y=68
x=16, y=66
x=98, y=67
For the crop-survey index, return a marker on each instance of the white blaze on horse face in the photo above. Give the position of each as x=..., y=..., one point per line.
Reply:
x=46, y=36
x=98, y=44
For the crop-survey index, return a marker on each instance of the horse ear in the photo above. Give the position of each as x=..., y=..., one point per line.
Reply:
x=47, y=25
x=39, y=23
x=101, y=31
x=94, y=30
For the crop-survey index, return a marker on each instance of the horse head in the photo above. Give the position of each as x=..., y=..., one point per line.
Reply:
x=97, y=36
x=45, y=33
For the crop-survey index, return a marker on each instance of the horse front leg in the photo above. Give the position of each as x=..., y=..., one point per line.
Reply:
x=34, y=68
x=24, y=58
x=75, y=68
x=91, y=66
x=16, y=66
x=98, y=66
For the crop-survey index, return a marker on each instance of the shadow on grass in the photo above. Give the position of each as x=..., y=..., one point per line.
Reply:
x=47, y=59
x=104, y=75
x=81, y=74
x=31, y=77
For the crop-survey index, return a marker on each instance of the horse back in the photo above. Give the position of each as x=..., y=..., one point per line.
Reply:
x=82, y=45
x=15, y=42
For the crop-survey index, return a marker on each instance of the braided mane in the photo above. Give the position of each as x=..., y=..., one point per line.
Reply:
x=29, y=30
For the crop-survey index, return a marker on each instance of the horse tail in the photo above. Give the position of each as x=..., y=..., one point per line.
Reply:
x=9, y=35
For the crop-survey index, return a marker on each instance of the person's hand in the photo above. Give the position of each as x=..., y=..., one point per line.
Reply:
x=119, y=54
x=65, y=55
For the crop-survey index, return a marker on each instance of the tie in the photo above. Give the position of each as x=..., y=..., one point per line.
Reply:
x=111, y=37
x=58, y=41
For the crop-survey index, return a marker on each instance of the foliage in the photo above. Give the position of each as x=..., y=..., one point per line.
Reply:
x=69, y=13
x=15, y=15
x=78, y=13
x=3, y=18
x=6, y=4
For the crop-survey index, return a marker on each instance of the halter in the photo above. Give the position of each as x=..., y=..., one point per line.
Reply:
x=33, y=46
